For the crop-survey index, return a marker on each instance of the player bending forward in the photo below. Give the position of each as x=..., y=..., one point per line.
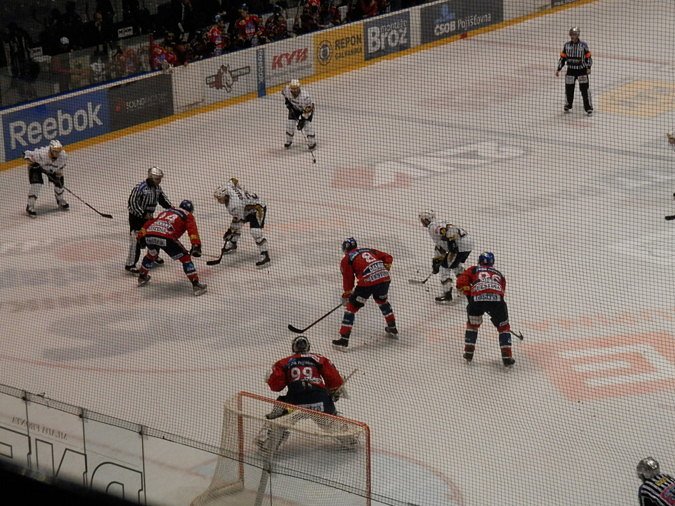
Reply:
x=484, y=287
x=163, y=232
x=300, y=114
x=313, y=382
x=244, y=207
x=453, y=247
x=49, y=160
x=368, y=268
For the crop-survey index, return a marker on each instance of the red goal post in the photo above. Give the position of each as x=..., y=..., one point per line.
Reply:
x=309, y=457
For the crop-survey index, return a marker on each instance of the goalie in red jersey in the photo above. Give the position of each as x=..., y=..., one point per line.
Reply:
x=314, y=383
x=484, y=287
x=368, y=268
x=163, y=232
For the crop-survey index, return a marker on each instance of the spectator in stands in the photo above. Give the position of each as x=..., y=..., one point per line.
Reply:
x=184, y=17
x=248, y=29
x=218, y=40
x=59, y=66
x=125, y=62
x=98, y=65
x=133, y=15
x=199, y=46
x=309, y=19
x=384, y=6
x=329, y=15
x=276, y=26
x=24, y=69
x=53, y=32
x=368, y=8
x=73, y=26
x=105, y=7
x=99, y=33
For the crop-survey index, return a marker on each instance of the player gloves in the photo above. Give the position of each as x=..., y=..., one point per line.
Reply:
x=345, y=297
x=196, y=251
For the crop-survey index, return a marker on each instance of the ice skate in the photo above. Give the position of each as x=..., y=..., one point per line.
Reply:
x=230, y=247
x=445, y=298
x=468, y=356
x=264, y=259
x=143, y=279
x=341, y=344
x=64, y=206
x=391, y=331
x=132, y=269
x=567, y=108
x=288, y=144
x=198, y=288
x=312, y=147
x=158, y=261
x=508, y=361
x=32, y=214
x=589, y=112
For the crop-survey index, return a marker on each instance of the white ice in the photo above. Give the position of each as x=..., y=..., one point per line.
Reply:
x=571, y=206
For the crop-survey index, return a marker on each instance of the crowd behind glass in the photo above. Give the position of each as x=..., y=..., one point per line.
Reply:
x=51, y=47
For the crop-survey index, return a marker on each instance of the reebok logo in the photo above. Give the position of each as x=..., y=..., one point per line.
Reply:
x=22, y=134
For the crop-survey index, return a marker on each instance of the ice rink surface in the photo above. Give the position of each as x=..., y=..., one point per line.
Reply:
x=572, y=207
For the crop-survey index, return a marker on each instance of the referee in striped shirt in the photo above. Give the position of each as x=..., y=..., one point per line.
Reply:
x=142, y=203
x=657, y=489
x=577, y=56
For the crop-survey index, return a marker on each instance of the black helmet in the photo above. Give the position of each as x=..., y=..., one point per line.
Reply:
x=300, y=345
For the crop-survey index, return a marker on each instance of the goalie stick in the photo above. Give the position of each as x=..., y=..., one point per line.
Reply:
x=302, y=331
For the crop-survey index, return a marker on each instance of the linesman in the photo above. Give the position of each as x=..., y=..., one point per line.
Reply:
x=657, y=488
x=577, y=56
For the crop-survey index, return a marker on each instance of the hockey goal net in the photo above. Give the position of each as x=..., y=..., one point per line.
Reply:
x=276, y=453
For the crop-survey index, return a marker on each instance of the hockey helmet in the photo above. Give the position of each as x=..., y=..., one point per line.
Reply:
x=348, y=244
x=575, y=31
x=55, y=147
x=156, y=174
x=486, y=258
x=187, y=205
x=647, y=468
x=294, y=86
x=300, y=345
x=426, y=217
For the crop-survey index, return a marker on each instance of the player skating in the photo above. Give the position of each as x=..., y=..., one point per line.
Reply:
x=453, y=246
x=365, y=273
x=49, y=160
x=164, y=233
x=484, y=287
x=300, y=114
x=244, y=207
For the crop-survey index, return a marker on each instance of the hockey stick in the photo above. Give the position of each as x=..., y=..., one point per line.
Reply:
x=519, y=335
x=671, y=217
x=301, y=331
x=217, y=259
x=420, y=281
x=310, y=151
x=109, y=216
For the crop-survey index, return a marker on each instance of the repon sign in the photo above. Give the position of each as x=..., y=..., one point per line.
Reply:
x=283, y=60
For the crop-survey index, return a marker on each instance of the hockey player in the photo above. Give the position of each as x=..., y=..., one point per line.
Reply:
x=244, y=207
x=49, y=160
x=657, y=489
x=577, y=56
x=370, y=268
x=142, y=203
x=313, y=382
x=163, y=232
x=484, y=287
x=300, y=114
x=453, y=247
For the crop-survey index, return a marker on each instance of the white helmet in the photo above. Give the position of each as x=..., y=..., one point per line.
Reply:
x=156, y=174
x=55, y=146
x=427, y=217
x=647, y=468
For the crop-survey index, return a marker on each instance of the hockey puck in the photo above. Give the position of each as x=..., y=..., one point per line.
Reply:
x=313, y=160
